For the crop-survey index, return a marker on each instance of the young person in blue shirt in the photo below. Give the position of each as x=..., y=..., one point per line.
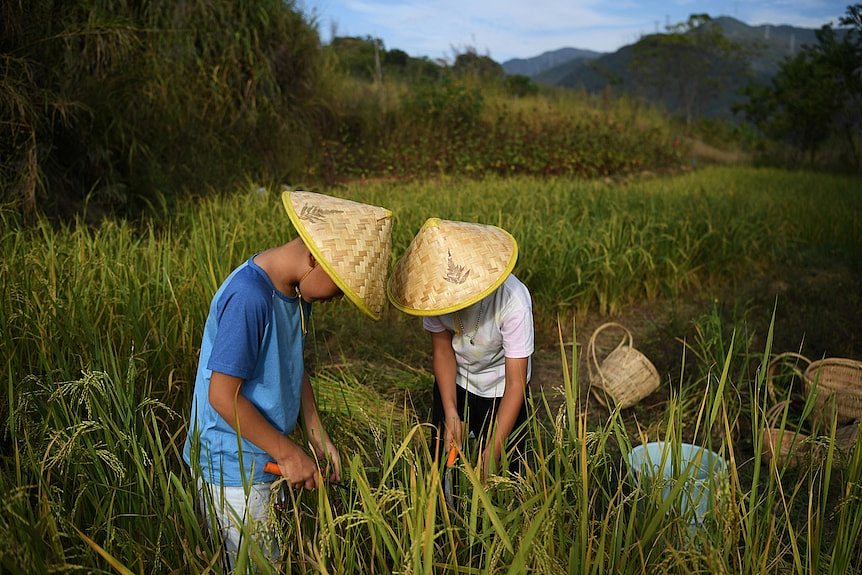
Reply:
x=251, y=386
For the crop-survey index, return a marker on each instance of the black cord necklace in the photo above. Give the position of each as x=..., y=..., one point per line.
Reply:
x=478, y=320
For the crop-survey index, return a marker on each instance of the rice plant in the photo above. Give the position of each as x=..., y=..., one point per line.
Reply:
x=578, y=506
x=100, y=328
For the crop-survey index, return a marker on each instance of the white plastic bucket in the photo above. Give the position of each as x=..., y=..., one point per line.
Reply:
x=701, y=469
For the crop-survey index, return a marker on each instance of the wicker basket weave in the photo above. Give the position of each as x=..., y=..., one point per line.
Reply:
x=783, y=445
x=837, y=381
x=451, y=265
x=846, y=438
x=351, y=241
x=788, y=447
x=625, y=375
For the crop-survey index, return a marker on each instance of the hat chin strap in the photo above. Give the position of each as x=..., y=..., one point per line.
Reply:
x=305, y=275
x=299, y=295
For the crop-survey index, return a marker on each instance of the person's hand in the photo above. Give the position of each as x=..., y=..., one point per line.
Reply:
x=299, y=469
x=489, y=464
x=453, y=433
x=327, y=453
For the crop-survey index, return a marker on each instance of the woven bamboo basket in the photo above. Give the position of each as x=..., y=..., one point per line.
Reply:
x=783, y=445
x=625, y=376
x=837, y=382
x=789, y=447
x=846, y=438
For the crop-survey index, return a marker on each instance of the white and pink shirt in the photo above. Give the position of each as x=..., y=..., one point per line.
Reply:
x=486, y=333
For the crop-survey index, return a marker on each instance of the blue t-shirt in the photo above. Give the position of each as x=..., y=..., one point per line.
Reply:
x=253, y=332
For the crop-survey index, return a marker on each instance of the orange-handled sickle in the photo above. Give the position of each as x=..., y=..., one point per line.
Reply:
x=453, y=455
x=272, y=467
x=447, y=477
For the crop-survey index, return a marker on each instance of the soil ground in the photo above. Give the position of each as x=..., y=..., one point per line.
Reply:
x=818, y=312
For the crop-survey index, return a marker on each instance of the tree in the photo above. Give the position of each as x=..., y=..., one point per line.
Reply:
x=119, y=105
x=688, y=64
x=396, y=59
x=470, y=63
x=521, y=86
x=817, y=95
x=359, y=57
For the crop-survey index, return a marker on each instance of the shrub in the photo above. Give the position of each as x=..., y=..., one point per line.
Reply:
x=121, y=103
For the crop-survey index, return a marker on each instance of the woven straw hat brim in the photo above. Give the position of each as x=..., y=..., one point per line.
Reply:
x=350, y=240
x=451, y=265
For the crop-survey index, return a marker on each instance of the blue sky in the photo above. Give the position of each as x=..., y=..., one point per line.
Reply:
x=507, y=29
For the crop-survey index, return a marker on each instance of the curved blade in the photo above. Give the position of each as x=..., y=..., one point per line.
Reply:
x=447, y=478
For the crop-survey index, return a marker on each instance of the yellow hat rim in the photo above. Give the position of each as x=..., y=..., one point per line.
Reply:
x=323, y=261
x=467, y=302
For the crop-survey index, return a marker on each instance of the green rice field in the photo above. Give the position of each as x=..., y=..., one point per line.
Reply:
x=100, y=333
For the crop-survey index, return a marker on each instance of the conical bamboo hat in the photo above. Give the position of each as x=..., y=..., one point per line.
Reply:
x=451, y=265
x=350, y=240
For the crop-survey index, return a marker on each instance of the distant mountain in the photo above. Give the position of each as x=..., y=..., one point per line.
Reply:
x=538, y=64
x=767, y=46
x=772, y=43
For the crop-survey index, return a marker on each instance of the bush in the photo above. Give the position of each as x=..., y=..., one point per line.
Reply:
x=121, y=104
x=461, y=126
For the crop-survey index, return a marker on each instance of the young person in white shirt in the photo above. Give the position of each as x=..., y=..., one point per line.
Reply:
x=457, y=275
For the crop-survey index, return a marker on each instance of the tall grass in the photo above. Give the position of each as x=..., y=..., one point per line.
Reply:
x=603, y=244
x=100, y=332
x=91, y=485
x=78, y=298
x=125, y=106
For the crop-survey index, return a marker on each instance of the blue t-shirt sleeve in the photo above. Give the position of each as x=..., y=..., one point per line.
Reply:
x=242, y=317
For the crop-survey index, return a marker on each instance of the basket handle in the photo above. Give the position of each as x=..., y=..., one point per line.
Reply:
x=775, y=412
x=773, y=365
x=592, y=359
x=591, y=347
x=597, y=393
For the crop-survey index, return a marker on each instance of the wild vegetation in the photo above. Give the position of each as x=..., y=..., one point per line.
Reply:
x=813, y=106
x=689, y=65
x=125, y=107
x=189, y=116
x=100, y=339
x=790, y=95
x=121, y=104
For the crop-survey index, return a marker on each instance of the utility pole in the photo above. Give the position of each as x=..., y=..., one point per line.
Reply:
x=378, y=72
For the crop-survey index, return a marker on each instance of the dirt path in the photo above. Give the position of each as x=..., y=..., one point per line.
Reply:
x=703, y=151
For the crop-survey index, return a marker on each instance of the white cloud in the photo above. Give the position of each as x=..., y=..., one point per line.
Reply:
x=802, y=4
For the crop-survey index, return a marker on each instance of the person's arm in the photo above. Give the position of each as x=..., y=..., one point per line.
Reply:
x=444, y=366
x=316, y=433
x=225, y=397
x=507, y=413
